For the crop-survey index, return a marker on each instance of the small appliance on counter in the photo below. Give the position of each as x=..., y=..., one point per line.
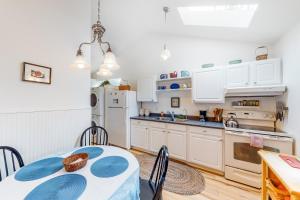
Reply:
x=203, y=114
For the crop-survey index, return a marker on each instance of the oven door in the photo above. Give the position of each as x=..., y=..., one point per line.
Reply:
x=239, y=153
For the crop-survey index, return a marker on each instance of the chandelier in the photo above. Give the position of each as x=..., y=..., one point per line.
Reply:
x=109, y=63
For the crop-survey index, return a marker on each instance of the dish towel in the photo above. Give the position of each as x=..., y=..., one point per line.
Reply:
x=256, y=141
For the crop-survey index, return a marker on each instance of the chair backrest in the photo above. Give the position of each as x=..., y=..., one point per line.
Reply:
x=159, y=172
x=94, y=135
x=9, y=158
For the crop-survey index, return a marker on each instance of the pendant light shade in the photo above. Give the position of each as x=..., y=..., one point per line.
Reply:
x=104, y=72
x=165, y=54
x=110, y=62
x=80, y=61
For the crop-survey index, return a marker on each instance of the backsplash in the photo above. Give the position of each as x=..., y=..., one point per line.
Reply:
x=267, y=104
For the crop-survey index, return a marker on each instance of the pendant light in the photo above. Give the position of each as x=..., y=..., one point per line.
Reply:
x=109, y=62
x=165, y=54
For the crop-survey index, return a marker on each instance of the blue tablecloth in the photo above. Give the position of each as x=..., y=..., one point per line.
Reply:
x=112, y=174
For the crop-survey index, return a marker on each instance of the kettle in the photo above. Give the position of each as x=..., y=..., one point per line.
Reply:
x=232, y=121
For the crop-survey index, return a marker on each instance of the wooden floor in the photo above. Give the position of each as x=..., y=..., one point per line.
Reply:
x=218, y=188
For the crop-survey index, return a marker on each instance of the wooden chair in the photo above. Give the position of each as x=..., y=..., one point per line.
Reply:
x=152, y=189
x=8, y=155
x=94, y=135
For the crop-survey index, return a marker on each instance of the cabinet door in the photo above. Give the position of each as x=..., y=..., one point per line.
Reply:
x=146, y=90
x=158, y=138
x=176, y=142
x=237, y=75
x=208, y=86
x=206, y=151
x=267, y=72
x=139, y=137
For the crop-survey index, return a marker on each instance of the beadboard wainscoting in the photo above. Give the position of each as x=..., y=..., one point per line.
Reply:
x=41, y=133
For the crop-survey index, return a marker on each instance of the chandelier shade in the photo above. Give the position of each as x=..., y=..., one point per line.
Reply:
x=104, y=72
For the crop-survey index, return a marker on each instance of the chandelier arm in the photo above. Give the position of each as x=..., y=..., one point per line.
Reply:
x=106, y=43
x=79, y=52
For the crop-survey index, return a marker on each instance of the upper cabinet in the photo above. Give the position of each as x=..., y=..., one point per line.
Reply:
x=146, y=90
x=237, y=75
x=258, y=73
x=208, y=85
x=266, y=72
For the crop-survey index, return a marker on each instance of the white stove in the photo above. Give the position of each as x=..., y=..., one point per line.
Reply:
x=242, y=162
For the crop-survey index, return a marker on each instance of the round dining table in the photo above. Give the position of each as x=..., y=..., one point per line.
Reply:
x=111, y=173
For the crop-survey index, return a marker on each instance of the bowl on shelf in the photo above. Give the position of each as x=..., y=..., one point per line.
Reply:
x=174, y=86
x=75, y=162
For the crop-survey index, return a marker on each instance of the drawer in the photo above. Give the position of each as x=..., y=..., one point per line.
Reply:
x=242, y=176
x=176, y=127
x=206, y=131
x=158, y=125
x=140, y=123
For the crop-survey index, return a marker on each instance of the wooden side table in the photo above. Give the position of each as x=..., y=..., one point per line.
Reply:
x=275, y=170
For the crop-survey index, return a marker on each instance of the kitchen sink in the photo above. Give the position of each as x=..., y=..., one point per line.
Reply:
x=164, y=119
x=169, y=119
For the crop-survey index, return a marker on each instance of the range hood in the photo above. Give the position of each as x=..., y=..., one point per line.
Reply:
x=274, y=90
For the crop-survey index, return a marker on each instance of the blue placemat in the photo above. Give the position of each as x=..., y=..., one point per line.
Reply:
x=65, y=187
x=109, y=166
x=39, y=169
x=92, y=151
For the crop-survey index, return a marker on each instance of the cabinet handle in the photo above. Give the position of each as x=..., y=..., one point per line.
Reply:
x=255, y=83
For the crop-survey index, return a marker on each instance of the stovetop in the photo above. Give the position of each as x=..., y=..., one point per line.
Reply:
x=263, y=130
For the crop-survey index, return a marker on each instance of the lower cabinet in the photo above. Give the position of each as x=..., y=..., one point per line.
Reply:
x=139, y=136
x=203, y=146
x=206, y=150
x=176, y=142
x=158, y=138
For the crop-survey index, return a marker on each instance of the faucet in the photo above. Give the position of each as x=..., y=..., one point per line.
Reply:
x=172, y=115
x=185, y=113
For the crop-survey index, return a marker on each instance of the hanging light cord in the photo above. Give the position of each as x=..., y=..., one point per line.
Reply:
x=98, y=10
x=166, y=10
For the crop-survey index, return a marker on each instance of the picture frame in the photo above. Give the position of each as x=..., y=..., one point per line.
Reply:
x=175, y=102
x=36, y=73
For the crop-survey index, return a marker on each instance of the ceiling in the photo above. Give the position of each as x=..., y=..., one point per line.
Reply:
x=129, y=23
x=131, y=17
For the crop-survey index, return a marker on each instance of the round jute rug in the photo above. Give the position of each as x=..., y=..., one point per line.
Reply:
x=181, y=179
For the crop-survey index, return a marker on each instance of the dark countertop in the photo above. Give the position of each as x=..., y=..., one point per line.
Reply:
x=218, y=125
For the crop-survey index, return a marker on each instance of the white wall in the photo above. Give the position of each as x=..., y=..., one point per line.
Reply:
x=48, y=33
x=289, y=49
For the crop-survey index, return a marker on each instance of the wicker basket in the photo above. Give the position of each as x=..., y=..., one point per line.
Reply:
x=124, y=87
x=275, y=193
x=262, y=56
x=72, y=164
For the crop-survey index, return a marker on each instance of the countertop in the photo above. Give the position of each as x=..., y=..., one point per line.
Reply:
x=218, y=125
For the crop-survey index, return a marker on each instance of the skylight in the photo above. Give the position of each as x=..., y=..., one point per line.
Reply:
x=238, y=16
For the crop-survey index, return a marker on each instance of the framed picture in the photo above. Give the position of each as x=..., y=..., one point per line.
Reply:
x=175, y=102
x=36, y=73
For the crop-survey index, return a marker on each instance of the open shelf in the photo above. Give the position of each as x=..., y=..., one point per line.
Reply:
x=169, y=90
x=174, y=79
x=246, y=107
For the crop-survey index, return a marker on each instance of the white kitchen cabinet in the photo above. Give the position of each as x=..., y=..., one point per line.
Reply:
x=266, y=72
x=158, y=138
x=176, y=142
x=208, y=85
x=146, y=90
x=237, y=75
x=139, y=136
x=206, y=150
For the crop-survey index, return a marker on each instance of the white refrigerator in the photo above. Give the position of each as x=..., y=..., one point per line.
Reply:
x=120, y=106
